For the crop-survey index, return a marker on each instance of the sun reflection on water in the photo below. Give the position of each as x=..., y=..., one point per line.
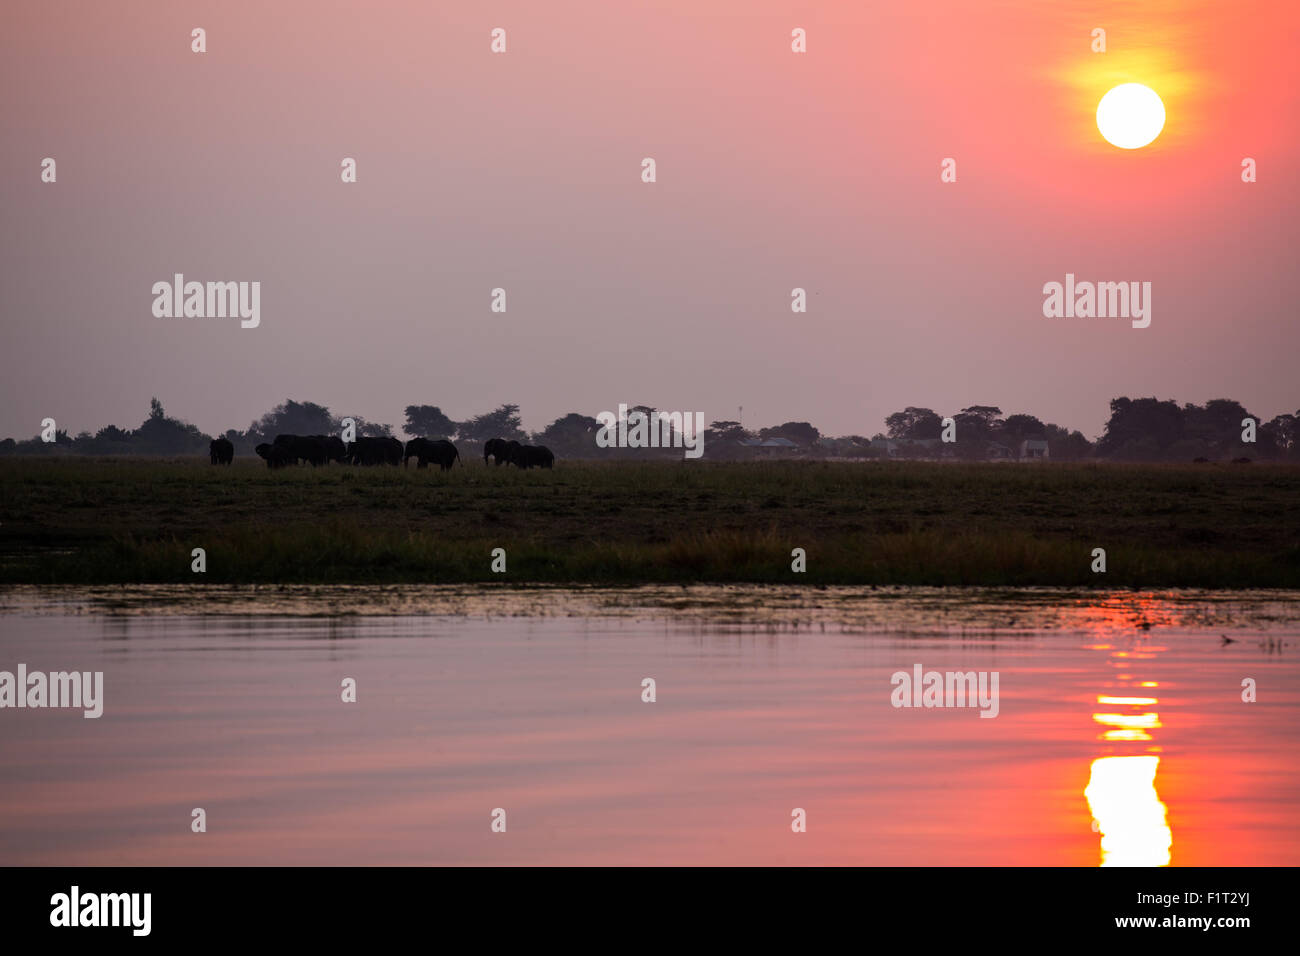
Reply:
x=1122, y=796
x=1126, y=808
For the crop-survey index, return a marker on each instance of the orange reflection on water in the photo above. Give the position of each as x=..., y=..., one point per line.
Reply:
x=1135, y=701
x=1121, y=791
x=1128, y=721
x=1114, y=735
x=1122, y=796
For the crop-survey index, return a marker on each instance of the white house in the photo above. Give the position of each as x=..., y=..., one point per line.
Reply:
x=1033, y=450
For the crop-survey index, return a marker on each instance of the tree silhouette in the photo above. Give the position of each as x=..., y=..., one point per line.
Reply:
x=501, y=422
x=913, y=422
x=293, y=418
x=428, y=421
x=801, y=433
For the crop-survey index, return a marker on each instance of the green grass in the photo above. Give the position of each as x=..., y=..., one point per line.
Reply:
x=100, y=521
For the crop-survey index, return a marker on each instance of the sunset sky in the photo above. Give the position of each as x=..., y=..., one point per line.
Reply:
x=522, y=170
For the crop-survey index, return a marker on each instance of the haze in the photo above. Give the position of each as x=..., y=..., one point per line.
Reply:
x=522, y=171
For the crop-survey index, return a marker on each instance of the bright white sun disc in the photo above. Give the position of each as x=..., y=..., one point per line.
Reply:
x=1130, y=116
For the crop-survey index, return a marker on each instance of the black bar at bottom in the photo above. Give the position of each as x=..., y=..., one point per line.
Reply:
x=333, y=906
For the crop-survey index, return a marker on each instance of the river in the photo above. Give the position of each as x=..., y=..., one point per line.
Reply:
x=499, y=726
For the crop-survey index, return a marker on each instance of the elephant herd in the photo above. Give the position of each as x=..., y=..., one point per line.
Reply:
x=313, y=449
x=521, y=456
x=322, y=449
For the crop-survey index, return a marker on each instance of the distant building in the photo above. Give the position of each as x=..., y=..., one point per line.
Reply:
x=910, y=447
x=770, y=446
x=996, y=451
x=1033, y=450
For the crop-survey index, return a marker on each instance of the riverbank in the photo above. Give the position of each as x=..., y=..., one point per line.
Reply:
x=102, y=521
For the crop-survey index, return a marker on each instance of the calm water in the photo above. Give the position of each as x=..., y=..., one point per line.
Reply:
x=1121, y=735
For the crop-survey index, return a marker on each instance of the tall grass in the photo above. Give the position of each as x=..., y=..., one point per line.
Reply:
x=104, y=521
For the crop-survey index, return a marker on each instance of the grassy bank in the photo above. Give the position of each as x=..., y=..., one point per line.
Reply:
x=105, y=521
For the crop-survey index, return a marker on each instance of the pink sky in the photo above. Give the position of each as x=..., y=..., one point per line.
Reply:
x=522, y=171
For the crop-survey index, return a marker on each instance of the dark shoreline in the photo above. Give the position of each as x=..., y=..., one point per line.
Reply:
x=917, y=611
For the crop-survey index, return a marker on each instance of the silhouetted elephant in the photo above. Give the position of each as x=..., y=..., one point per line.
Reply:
x=375, y=451
x=305, y=449
x=335, y=450
x=392, y=450
x=499, y=449
x=425, y=450
x=366, y=451
x=277, y=456
x=531, y=456
x=221, y=451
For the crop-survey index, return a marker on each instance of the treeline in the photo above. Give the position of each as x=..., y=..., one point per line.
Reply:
x=571, y=436
x=1142, y=429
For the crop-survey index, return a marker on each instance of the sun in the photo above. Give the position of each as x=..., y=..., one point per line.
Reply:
x=1130, y=116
